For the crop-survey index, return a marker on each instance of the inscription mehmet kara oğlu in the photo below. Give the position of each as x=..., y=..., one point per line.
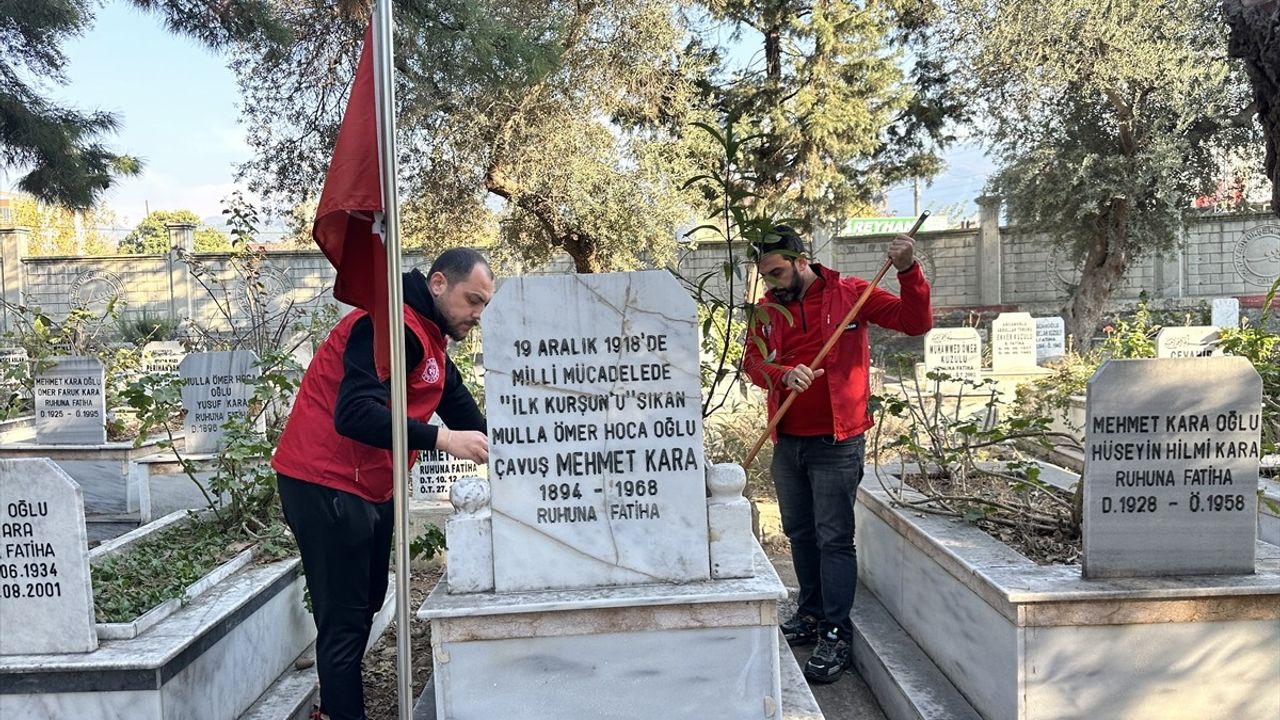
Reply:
x=595, y=432
x=69, y=404
x=1171, y=467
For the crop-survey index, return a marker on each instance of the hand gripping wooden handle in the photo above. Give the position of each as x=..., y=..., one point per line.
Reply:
x=826, y=348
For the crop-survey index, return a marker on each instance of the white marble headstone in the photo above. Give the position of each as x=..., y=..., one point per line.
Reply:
x=595, y=432
x=1171, y=467
x=1013, y=342
x=954, y=351
x=1185, y=342
x=46, y=599
x=215, y=389
x=436, y=471
x=1226, y=313
x=1051, y=338
x=70, y=408
x=162, y=358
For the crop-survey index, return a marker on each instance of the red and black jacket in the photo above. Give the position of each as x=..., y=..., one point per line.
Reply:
x=339, y=432
x=848, y=362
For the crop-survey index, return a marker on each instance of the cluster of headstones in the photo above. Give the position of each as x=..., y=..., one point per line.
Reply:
x=1020, y=342
x=70, y=404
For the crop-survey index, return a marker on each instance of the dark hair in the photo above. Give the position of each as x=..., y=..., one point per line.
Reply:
x=456, y=264
x=781, y=239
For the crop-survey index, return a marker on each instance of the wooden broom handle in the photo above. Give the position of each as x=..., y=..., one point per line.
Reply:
x=826, y=348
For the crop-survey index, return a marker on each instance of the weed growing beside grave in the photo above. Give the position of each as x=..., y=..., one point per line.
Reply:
x=82, y=332
x=1133, y=337
x=1262, y=346
x=954, y=445
x=734, y=415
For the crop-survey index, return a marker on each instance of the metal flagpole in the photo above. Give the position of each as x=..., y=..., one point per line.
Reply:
x=384, y=92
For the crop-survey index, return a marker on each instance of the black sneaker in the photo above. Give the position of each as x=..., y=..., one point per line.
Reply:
x=830, y=658
x=800, y=630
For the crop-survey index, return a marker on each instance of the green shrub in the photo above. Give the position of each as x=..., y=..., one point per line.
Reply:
x=140, y=329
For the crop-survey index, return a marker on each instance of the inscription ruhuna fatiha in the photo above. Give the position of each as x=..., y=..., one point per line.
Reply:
x=1171, y=467
x=595, y=432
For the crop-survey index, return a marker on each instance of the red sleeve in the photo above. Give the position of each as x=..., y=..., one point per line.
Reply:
x=911, y=314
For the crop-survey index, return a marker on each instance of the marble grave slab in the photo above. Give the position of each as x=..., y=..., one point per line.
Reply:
x=595, y=431
x=1013, y=342
x=1171, y=467
x=1184, y=342
x=70, y=407
x=215, y=388
x=1051, y=338
x=46, y=599
x=954, y=351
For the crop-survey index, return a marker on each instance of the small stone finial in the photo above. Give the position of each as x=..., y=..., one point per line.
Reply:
x=469, y=495
x=726, y=482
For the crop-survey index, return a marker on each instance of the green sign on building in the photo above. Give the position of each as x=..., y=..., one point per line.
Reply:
x=878, y=225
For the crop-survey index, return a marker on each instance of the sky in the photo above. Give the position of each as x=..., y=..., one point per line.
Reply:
x=178, y=109
x=177, y=106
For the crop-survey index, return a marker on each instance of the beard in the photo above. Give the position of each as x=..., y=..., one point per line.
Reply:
x=458, y=330
x=791, y=293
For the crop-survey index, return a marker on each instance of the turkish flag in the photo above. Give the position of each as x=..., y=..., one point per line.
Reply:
x=352, y=193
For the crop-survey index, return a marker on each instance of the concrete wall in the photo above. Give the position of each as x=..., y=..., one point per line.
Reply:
x=989, y=267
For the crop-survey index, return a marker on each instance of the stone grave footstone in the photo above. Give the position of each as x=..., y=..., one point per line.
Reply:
x=1184, y=342
x=1051, y=339
x=1226, y=313
x=1171, y=467
x=215, y=388
x=162, y=358
x=13, y=360
x=1013, y=342
x=954, y=351
x=46, y=600
x=595, y=431
x=70, y=408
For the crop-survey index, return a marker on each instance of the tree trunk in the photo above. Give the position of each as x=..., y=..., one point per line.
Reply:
x=581, y=245
x=1255, y=39
x=1104, y=266
x=773, y=54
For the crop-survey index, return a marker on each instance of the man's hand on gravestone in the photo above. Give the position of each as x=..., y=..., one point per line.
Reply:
x=468, y=445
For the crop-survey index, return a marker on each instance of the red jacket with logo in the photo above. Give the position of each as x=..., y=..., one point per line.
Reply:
x=311, y=448
x=339, y=433
x=848, y=362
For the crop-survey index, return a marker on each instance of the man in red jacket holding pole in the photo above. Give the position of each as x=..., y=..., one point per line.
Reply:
x=334, y=457
x=819, y=443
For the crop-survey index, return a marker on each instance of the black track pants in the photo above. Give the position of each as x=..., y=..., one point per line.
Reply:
x=345, y=543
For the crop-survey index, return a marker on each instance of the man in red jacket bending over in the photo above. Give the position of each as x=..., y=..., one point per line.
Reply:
x=334, y=459
x=818, y=452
